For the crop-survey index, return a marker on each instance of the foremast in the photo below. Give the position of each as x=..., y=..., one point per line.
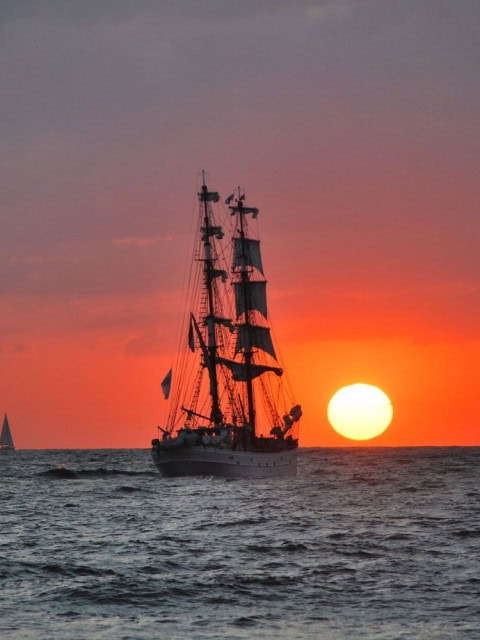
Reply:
x=209, y=274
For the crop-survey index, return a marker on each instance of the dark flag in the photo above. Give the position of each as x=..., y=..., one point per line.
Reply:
x=191, y=337
x=166, y=384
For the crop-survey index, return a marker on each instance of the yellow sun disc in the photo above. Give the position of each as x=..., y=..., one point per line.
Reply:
x=360, y=411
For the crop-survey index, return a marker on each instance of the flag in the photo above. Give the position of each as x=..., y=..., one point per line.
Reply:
x=166, y=384
x=229, y=199
x=191, y=337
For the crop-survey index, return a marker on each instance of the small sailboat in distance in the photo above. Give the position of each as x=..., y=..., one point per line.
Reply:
x=231, y=413
x=6, y=440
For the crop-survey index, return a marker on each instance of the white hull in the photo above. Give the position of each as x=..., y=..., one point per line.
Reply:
x=224, y=462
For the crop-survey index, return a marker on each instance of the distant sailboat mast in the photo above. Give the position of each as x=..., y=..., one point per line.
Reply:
x=6, y=440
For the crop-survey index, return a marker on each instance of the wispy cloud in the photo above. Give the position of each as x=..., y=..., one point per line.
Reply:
x=334, y=9
x=141, y=241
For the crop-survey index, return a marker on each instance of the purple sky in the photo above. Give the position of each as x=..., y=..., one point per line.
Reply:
x=352, y=124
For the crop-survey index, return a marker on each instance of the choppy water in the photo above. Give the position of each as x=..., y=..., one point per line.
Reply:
x=363, y=543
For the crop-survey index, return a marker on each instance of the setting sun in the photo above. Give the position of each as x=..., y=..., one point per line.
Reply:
x=360, y=411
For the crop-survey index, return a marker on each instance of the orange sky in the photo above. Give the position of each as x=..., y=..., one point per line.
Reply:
x=94, y=395
x=352, y=125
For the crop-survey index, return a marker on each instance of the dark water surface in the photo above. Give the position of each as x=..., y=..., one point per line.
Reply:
x=363, y=543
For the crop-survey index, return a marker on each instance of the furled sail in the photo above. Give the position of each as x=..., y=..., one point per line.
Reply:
x=226, y=322
x=212, y=231
x=209, y=196
x=241, y=209
x=240, y=373
x=250, y=336
x=255, y=294
x=218, y=273
x=246, y=253
x=290, y=418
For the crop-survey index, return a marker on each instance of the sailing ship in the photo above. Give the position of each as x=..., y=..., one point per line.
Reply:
x=231, y=412
x=6, y=440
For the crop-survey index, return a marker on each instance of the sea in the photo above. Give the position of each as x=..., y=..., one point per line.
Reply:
x=364, y=543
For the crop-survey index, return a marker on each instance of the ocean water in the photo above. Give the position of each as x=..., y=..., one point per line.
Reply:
x=363, y=543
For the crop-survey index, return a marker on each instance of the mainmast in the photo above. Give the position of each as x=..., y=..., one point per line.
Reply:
x=210, y=273
x=253, y=333
x=244, y=279
x=250, y=297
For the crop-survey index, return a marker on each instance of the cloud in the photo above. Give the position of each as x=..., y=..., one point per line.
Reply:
x=319, y=11
x=354, y=122
x=149, y=343
x=15, y=349
x=139, y=241
x=78, y=271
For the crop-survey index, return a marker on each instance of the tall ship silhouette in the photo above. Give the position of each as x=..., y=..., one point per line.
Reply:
x=232, y=413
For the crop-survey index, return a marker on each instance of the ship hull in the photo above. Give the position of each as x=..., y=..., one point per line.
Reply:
x=224, y=462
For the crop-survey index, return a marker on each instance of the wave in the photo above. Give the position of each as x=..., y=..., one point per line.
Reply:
x=64, y=473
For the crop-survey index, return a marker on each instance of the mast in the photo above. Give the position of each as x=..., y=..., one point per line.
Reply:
x=209, y=275
x=248, y=350
x=253, y=333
